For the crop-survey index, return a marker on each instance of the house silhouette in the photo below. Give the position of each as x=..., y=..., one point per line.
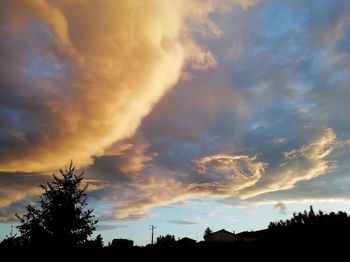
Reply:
x=221, y=236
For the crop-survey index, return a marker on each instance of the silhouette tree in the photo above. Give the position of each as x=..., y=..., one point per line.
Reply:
x=10, y=241
x=166, y=241
x=62, y=218
x=32, y=229
x=306, y=226
x=98, y=241
x=94, y=243
x=207, y=232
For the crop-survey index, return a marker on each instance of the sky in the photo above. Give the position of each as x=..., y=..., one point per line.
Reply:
x=183, y=114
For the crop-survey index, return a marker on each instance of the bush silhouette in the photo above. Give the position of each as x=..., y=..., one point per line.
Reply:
x=62, y=218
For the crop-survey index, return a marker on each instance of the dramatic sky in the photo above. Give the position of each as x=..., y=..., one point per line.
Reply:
x=183, y=114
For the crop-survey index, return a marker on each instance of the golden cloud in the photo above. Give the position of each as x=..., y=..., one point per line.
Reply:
x=16, y=186
x=151, y=191
x=90, y=71
x=227, y=173
x=16, y=193
x=118, y=58
x=305, y=163
x=216, y=175
x=79, y=76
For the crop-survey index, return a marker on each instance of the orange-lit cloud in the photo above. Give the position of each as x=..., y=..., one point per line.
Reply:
x=15, y=187
x=117, y=59
x=77, y=79
x=79, y=76
x=17, y=193
x=91, y=72
x=304, y=163
x=226, y=174
x=217, y=175
x=149, y=192
x=131, y=155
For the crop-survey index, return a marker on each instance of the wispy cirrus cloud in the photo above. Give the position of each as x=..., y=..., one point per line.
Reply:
x=304, y=163
x=225, y=173
x=107, y=227
x=184, y=222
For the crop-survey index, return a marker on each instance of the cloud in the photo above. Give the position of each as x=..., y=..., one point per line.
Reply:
x=200, y=59
x=304, y=110
x=19, y=189
x=305, y=163
x=77, y=77
x=281, y=207
x=145, y=192
x=217, y=175
x=76, y=85
x=132, y=194
x=245, y=4
x=245, y=113
x=8, y=212
x=318, y=149
x=279, y=140
x=120, y=160
x=107, y=227
x=224, y=173
x=236, y=176
x=184, y=222
x=7, y=215
x=17, y=186
x=250, y=105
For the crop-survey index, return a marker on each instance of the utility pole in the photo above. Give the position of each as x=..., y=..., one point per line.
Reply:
x=152, y=229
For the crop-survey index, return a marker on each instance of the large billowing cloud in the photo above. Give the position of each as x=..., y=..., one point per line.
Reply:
x=76, y=76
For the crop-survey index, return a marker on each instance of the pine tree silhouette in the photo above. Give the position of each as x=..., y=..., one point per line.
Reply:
x=62, y=218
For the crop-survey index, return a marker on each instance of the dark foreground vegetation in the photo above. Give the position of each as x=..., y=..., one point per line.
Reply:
x=60, y=227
